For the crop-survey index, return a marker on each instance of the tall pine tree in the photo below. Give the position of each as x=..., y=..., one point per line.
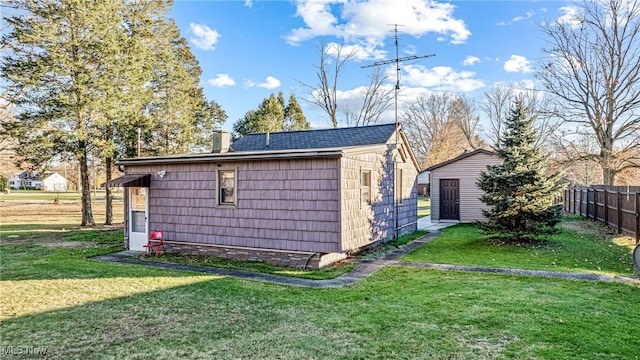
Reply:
x=294, y=118
x=86, y=74
x=272, y=115
x=518, y=191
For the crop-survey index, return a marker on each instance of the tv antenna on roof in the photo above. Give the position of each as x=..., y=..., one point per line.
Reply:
x=397, y=61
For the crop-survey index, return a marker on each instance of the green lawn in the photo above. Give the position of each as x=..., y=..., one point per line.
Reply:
x=37, y=195
x=79, y=308
x=59, y=300
x=255, y=266
x=569, y=251
x=424, y=207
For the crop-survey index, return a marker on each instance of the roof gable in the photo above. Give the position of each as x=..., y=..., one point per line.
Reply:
x=458, y=158
x=316, y=139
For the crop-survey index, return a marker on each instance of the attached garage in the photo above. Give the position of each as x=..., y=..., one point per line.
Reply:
x=454, y=194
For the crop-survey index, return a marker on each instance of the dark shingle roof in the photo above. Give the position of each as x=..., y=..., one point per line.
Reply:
x=316, y=139
x=459, y=157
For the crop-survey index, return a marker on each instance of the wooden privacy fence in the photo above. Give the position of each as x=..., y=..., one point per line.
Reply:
x=616, y=206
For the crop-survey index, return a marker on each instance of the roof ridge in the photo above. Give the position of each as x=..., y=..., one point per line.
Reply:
x=322, y=129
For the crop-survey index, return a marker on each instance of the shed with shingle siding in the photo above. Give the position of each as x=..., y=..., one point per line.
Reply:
x=298, y=200
x=463, y=170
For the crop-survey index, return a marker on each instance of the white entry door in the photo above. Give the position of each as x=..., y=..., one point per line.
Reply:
x=138, y=219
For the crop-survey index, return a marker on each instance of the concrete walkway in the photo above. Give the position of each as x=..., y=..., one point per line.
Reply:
x=363, y=268
x=426, y=224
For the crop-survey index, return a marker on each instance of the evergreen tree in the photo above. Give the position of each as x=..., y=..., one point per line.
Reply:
x=294, y=117
x=86, y=74
x=59, y=72
x=519, y=193
x=272, y=115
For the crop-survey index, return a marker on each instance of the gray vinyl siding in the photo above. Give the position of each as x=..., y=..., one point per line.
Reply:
x=281, y=204
x=363, y=224
x=408, y=207
x=467, y=170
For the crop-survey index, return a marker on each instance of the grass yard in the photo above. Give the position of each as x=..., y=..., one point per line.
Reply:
x=37, y=195
x=330, y=272
x=43, y=222
x=582, y=246
x=58, y=300
x=424, y=207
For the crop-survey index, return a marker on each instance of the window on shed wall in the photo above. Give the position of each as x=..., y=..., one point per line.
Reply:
x=365, y=186
x=226, y=186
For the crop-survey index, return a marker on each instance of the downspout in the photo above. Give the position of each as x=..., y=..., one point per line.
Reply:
x=311, y=257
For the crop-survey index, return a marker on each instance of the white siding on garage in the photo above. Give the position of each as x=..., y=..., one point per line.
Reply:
x=467, y=171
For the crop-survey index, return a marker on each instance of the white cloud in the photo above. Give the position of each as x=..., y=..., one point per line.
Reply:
x=570, y=16
x=269, y=83
x=204, y=37
x=248, y=3
x=366, y=52
x=441, y=78
x=528, y=15
x=221, y=80
x=470, y=60
x=517, y=63
x=366, y=22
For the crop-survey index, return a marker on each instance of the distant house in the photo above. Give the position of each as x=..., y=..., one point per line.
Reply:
x=25, y=179
x=423, y=183
x=300, y=198
x=55, y=182
x=48, y=181
x=454, y=194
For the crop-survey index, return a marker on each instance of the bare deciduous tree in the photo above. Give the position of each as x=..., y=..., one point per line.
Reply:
x=375, y=99
x=593, y=71
x=498, y=102
x=434, y=134
x=463, y=113
x=324, y=93
x=568, y=159
x=496, y=106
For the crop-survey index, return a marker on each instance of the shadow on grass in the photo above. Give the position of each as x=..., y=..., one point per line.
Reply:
x=394, y=313
x=571, y=251
x=36, y=262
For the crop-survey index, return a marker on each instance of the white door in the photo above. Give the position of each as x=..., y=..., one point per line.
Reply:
x=138, y=219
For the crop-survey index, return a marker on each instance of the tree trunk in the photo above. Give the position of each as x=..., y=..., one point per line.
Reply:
x=108, y=194
x=608, y=173
x=608, y=176
x=87, y=214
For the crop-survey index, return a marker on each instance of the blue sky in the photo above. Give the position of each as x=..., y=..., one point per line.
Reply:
x=249, y=49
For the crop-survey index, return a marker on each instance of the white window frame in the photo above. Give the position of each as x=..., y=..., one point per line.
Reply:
x=219, y=189
x=365, y=191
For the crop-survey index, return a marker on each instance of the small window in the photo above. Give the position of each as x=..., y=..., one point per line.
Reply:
x=365, y=186
x=226, y=187
x=138, y=198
